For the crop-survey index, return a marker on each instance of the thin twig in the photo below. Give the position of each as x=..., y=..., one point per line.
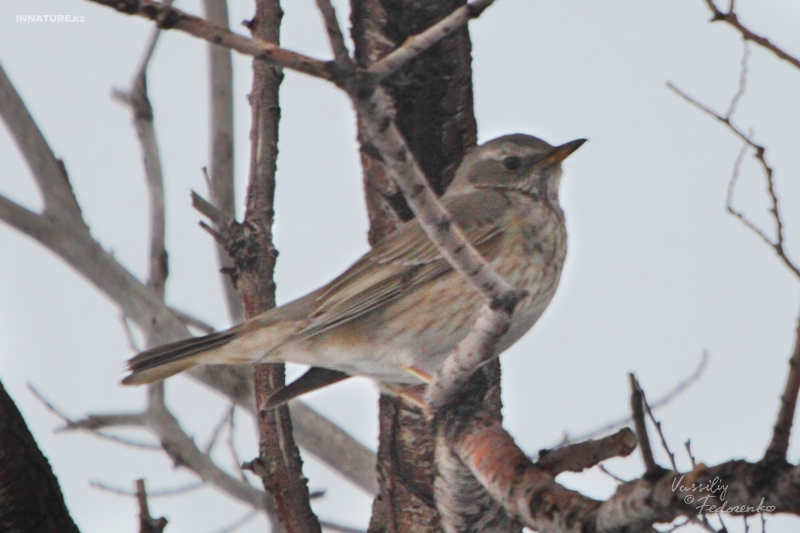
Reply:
x=231, y=446
x=178, y=445
x=660, y=432
x=175, y=491
x=417, y=44
x=62, y=230
x=212, y=439
x=760, y=156
x=193, y=321
x=670, y=395
x=341, y=56
x=692, y=459
x=733, y=19
x=168, y=17
x=615, y=477
x=236, y=524
x=138, y=101
x=782, y=430
x=49, y=173
x=147, y=524
x=637, y=410
x=221, y=183
x=742, y=81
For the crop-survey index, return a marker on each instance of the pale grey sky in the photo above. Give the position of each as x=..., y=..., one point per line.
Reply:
x=656, y=271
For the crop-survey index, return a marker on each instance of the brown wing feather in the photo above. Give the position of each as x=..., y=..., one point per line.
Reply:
x=404, y=260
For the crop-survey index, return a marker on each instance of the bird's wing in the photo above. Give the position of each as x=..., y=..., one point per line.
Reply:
x=404, y=260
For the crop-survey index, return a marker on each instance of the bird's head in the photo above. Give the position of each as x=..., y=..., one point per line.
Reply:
x=514, y=162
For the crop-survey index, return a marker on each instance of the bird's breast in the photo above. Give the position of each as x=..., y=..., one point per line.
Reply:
x=534, y=250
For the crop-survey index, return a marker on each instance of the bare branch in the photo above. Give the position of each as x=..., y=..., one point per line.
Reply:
x=670, y=395
x=48, y=172
x=175, y=491
x=176, y=443
x=147, y=524
x=70, y=240
x=340, y=53
x=416, y=44
x=779, y=444
x=733, y=19
x=659, y=430
x=139, y=103
x=192, y=321
x=221, y=184
x=742, y=81
x=236, y=524
x=637, y=408
x=583, y=455
x=473, y=351
x=255, y=264
x=760, y=156
x=168, y=17
x=382, y=133
x=529, y=493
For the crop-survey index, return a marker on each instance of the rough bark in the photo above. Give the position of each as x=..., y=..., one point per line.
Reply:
x=434, y=111
x=30, y=497
x=280, y=465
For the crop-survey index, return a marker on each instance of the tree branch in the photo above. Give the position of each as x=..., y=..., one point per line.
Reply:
x=416, y=44
x=732, y=19
x=157, y=419
x=139, y=103
x=147, y=524
x=760, y=156
x=279, y=462
x=69, y=239
x=221, y=184
x=779, y=444
x=48, y=171
x=168, y=17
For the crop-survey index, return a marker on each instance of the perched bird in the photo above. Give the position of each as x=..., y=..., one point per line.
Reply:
x=402, y=306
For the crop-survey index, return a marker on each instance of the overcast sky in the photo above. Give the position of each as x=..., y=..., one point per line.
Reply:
x=657, y=272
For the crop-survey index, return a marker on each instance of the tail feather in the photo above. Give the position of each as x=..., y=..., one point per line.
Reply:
x=164, y=361
x=314, y=378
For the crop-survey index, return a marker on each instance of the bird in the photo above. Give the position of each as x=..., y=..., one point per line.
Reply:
x=399, y=310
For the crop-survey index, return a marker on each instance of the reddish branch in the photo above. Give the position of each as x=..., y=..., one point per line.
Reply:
x=529, y=493
x=584, y=455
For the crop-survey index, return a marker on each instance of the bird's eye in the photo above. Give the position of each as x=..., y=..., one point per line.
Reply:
x=512, y=163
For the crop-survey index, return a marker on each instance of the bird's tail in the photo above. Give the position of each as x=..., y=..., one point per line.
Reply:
x=164, y=361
